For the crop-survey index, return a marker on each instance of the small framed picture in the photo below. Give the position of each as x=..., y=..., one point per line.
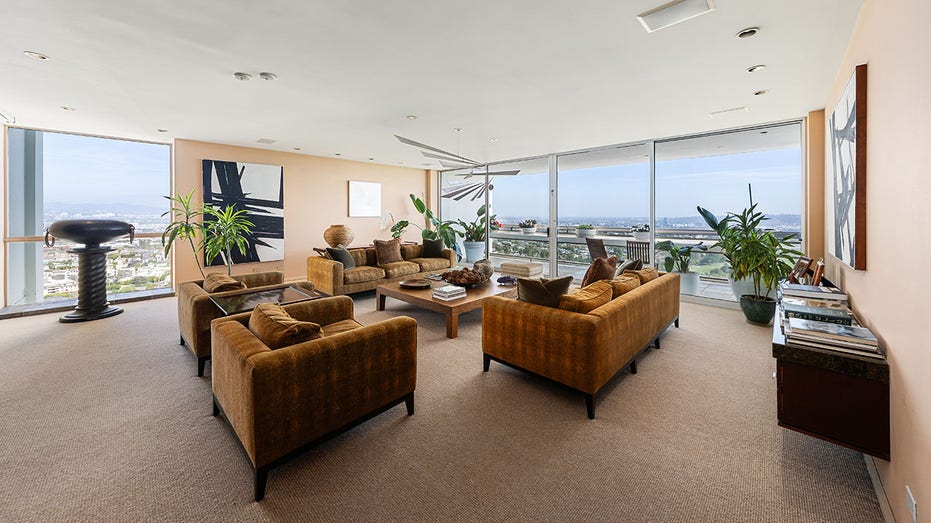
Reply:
x=819, y=272
x=800, y=271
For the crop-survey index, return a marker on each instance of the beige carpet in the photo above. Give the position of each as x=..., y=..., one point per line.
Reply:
x=106, y=421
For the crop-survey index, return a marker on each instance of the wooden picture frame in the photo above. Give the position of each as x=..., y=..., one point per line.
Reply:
x=819, y=272
x=800, y=270
x=848, y=138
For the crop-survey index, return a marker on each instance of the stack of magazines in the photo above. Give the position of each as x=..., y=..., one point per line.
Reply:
x=449, y=292
x=832, y=336
x=813, y=292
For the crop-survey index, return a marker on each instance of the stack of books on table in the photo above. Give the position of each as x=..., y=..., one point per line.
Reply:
x=812, y=292
x=831, y=336
x=818, y=310
x=522, y=269
x=449, y=292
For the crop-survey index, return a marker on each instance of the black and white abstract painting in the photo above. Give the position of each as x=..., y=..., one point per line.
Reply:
x=847, y=134
x=259, y=190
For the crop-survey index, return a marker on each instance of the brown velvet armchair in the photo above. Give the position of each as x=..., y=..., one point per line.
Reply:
x=196, y=311
x=281, y=401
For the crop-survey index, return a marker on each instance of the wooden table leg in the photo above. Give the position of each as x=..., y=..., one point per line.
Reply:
x=452, y=325
x=379, y=301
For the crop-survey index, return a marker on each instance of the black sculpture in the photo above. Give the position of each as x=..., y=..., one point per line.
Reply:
x=92, y=263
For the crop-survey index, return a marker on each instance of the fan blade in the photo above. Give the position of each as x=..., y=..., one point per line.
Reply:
x=459, y=163
x=449, y=155
x=503, y=173
x=449, y=165
x=461, y=190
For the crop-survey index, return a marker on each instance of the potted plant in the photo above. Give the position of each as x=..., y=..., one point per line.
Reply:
x=528, y=226
x=585, y=230
x=755, y=254
x=183, y=225
x=679, y=260
x=641, y=232
x=443, y=229
x=474, y=234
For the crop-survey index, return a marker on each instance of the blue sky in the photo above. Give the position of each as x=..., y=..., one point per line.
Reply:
x=84, y=169
x=718, y=183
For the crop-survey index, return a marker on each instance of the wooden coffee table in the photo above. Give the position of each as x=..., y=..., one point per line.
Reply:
x=423, y=298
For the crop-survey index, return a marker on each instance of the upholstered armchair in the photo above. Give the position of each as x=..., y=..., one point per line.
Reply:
x=281, y=401
x=196, y=311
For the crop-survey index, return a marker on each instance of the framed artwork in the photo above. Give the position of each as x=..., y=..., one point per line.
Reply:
x=847, y=134
x=801, y=269
x=259, y=190
x=819, y=272
x=364, y=199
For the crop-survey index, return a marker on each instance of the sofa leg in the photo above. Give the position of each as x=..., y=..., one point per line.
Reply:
x=409, y=401
x=201, y=363
x=656, y=343
x=261, y=479
x=182, y=339
x=486, y=361
x=633, y=366
x=590, y=405
x=677, y=322
x=216, y=407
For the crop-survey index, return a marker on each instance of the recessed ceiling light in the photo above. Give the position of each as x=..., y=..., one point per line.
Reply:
x=748, y=32
x=457, y=129
x=268, y=76
x=68, y=108
x=761, y=92
x=494, y=140
x=242, y=76
x=763, y=132
x=297, y=148
x=162, y=130
x=756, y=68
x=400, y=163
x=412, y=117
x=673, y=13
x=371, y=159
x=36, y=56
x=337, y=154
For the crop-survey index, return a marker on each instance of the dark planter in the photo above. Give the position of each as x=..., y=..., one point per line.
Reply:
x=757, y=309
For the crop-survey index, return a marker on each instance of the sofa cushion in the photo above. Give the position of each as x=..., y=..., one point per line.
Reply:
x=543, y=291
x=401, y=268
x=646, y=274
x=411, y=250
x=362, y=274
x=430, y=264
x=341, y=254
x=628, y=265
x=218, y=282
x=433, y=248
x=587, y=298
x=623, y=284
x=276, y=328
x=340, y=326
x=600, y=269
x=388, y=251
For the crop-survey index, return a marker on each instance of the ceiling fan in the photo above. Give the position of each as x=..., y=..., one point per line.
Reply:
x=453, y=161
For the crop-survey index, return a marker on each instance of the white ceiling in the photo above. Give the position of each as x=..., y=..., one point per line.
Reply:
x=539, y=76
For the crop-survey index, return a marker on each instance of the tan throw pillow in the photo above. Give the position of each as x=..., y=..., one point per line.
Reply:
x=624, y=284
x=217, y=282
x=543, y=291
x=600, y=269
x=276, y=328
x=645, y=274
x=588, y=298
x=388, y=251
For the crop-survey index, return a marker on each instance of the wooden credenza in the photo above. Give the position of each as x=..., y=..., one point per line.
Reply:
x=834, y=396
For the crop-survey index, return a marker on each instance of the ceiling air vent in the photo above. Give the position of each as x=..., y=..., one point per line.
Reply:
x=673, y=13
x=266, y=141
x=725, y=112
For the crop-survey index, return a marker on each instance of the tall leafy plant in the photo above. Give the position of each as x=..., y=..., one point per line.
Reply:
x=433, y=227
x=475, y=231
x=680, y=256
x=225, y=229
x=184, y=225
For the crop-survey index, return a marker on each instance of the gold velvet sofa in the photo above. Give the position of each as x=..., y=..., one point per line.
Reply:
x=582, y=351
x=196, y=311
x=330, y=277
x=281, y=401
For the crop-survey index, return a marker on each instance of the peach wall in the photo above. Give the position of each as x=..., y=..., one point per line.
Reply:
x=892, y=296
x=316, y=196
x=814, y=186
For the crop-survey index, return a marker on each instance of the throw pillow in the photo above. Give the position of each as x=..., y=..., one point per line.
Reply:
x=628, y=265
x=543, y=291
x=217, y=282
x=600, y=269
x=624, y=284
x=646, y=274
x=341, y=254
x=433, y=248
x=276, y=328
x=388, y=251
x=588, y=298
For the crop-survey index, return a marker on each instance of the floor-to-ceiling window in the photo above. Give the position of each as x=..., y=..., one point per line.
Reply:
x=519, y=195
x=56, y=176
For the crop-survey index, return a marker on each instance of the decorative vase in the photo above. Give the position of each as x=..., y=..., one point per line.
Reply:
x=474, y=251
x=484, y=267
x=688, y=283
x=338, y=235
x=757, y=311
x=586, y=233
x=528, y=230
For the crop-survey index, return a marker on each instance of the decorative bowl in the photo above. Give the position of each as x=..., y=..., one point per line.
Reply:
x=415, y=284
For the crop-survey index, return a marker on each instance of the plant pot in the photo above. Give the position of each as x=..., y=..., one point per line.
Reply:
x=758, y=311
x=528, y=230
x=586, y=233
x=745, y=286
x=688, y=283
x=642, y=236
x=338, y=235
x=474, y=251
